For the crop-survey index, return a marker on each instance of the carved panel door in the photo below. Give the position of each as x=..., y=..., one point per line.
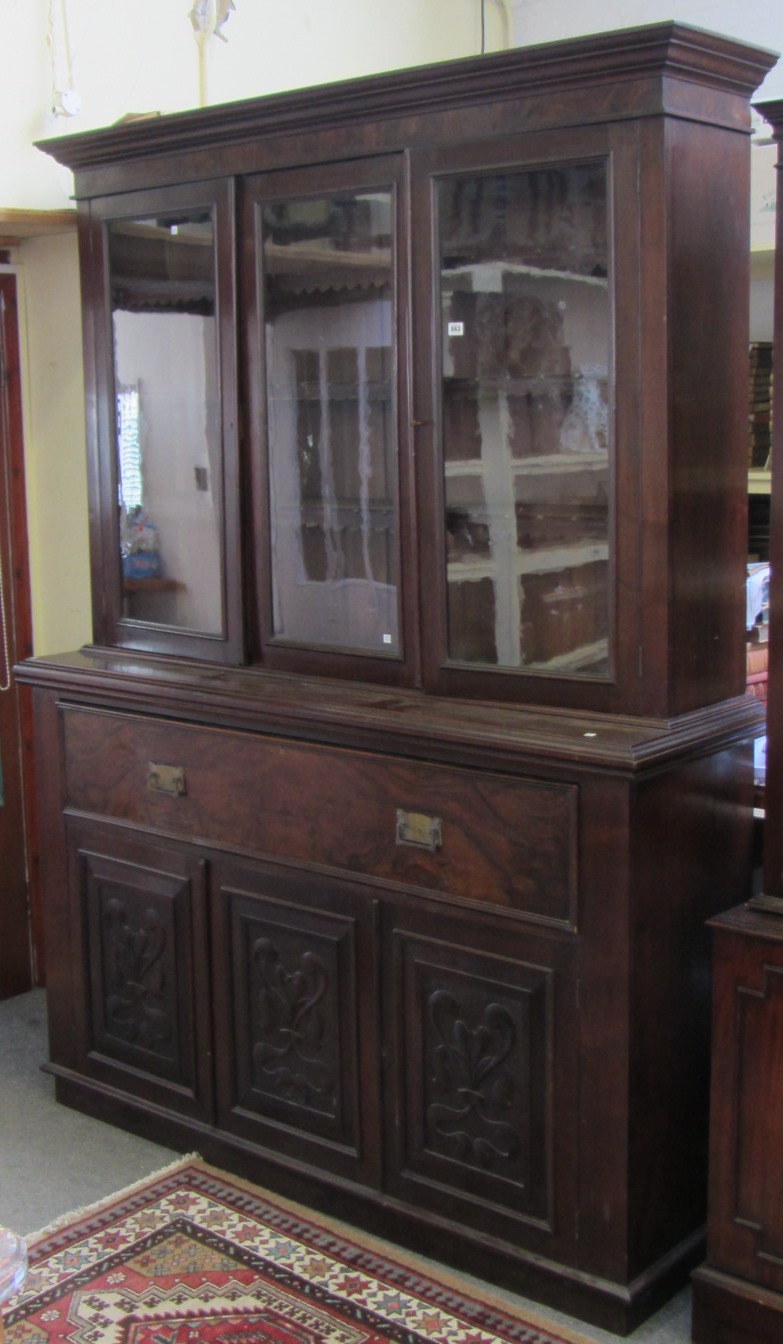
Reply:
x=145, y=1023
x=296, y=1002
x=482, y=1039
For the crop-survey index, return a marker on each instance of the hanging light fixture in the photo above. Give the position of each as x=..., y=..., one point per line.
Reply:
x=209, y=17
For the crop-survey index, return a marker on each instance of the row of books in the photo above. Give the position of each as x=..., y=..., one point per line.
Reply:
x=760, y=408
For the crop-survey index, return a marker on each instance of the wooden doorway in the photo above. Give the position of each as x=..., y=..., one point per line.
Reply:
x=17, y=959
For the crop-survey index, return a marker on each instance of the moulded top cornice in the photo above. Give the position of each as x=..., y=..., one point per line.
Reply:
x=772, y=112
x=666, y=49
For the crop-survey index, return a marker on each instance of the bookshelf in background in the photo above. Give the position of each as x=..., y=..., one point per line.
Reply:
x=760, y=406
x=759, y=439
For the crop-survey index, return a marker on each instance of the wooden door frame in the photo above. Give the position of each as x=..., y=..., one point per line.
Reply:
x=17, y=583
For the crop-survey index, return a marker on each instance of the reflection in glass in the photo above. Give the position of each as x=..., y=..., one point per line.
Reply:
x=525, y=417
x=328, y=273
x=162, y=276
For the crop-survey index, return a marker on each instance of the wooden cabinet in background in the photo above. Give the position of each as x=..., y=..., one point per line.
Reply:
x=382, y=839
x=738, y=1292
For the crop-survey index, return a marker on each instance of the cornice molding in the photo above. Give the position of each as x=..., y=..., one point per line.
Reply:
x=671, y=50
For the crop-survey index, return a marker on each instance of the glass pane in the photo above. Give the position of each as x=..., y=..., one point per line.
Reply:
x=162, y=275
x=526, y=418
x=332, y=452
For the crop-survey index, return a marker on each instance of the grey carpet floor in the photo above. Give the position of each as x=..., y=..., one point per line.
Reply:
x=54, y=1160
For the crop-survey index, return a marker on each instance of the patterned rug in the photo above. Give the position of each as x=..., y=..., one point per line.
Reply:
x=195, y=1256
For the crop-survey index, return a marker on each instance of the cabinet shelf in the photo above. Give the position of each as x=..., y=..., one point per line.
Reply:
x=544, y=561
x=485, y=276
x=545, y=464
x=759, y=481
x=575, y=660
x=510, y=385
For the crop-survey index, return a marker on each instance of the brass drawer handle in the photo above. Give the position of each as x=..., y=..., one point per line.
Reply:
x=418, y=830
x=168, y=779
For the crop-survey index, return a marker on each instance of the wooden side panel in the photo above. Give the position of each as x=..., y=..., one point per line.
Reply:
x=708, y=323
x=690, y=858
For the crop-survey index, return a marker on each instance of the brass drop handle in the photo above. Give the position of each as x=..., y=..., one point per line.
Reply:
x=168, y=779
x=418, y=830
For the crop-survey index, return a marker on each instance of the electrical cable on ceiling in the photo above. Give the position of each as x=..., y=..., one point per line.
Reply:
x=65, y=101
x=505, y=38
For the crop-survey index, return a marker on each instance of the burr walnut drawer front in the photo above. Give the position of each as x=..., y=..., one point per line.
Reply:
x=468, y=833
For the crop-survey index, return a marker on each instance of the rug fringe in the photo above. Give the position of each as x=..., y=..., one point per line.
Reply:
x=32, y=1238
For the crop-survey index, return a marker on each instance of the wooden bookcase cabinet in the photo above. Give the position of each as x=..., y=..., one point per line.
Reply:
x=406, y=917
x=738, y=1291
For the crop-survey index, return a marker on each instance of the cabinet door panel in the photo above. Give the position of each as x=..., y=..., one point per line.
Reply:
x=165, y=353
x=523, y=532
x=295, y=996
x=483, y=1048
x=327, y=342
x=141, y=910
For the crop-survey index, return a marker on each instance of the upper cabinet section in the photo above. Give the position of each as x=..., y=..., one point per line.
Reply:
x=487, y=433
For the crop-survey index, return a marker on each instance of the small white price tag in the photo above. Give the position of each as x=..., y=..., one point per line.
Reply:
x=456, y=328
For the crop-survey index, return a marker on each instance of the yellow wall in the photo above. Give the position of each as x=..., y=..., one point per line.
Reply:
x=55, y=468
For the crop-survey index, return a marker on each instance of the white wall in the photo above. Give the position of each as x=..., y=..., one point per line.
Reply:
x=756, y=21
x=123, y=56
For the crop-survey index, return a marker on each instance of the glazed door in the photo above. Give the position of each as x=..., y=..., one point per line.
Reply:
x=166, y=530
x=527, y=488
x=328, y=376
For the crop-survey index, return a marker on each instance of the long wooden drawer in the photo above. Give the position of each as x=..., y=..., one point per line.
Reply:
x=485, y=837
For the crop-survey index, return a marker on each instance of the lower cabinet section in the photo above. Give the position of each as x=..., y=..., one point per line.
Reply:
x=459, y=999
x=336, y=1030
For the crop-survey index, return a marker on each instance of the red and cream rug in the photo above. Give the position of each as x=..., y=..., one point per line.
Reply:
x=195, y=1256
